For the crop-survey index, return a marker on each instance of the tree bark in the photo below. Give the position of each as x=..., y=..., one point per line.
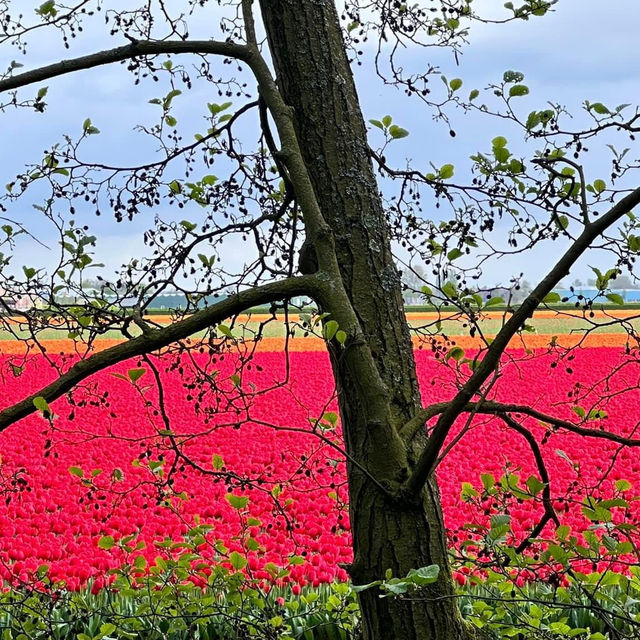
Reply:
x=315, y=79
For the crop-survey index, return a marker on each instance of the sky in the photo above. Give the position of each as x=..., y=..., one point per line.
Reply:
x=583, y=50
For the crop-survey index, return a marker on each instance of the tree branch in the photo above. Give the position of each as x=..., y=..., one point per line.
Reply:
x=428, y=459
x=156, y=339
x=411, y=428
x=549, y=512
x=125, y=52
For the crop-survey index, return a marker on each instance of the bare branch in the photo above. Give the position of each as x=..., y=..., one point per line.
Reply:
x=249, y=23
x=548, y=163
x=549, y=511
x=126, y=52
x=156, y=339
x=411, y=428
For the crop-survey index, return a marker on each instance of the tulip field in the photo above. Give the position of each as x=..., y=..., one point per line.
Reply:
x=72, y=488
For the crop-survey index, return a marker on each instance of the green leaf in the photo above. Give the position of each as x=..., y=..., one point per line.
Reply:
x=616, y=298
x=596, y=414
x=253, y=544
x=238, y=561
x=457, y=353
x=357, y=588
x=599, y=108
x=499, y=141
x=377, y=123
x=215, y=109
x=446, y=171
x=515, y=166
x=473, y=95
x=558, y=554
x=237, y=502
x=454, y=254
x=41, y=404
x=209, y=180
x=449, y=289
x=512, y=76
x=16, y=370
x=488, y=481
x=518, y=90
x=108, y=628
x=217, y=462
x=500, y=525
x=455, y=84
x=579, y=411
x=492, y=302
x=169, y=98
x=76, y=471
x=330, y=329
x=189, y=226
x=170, y=120
x=534, y=485
x=225, y=331
x=599, y=185
x=424, y=575
x=106, y=542
x=397, y=588
x=397, y=132
x=341, y=336
x=135, y=374
x=47, y=9
x=561, y=454
x=468, y=491
x=29, y=272
x=633, y=243
x=533, y=120
x=552, y=298
x=502, y=154
x=387, y=120
x=42, y=92
x=331, y=417
x=623, y=485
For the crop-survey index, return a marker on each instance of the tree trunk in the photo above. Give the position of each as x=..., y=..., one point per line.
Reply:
x=315, y=79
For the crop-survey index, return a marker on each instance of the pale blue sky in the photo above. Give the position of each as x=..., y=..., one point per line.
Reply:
x=584, y=50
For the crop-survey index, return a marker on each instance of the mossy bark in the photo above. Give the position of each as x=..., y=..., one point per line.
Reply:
x=315, y=79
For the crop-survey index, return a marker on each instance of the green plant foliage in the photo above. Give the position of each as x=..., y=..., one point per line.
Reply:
x=549, y=592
